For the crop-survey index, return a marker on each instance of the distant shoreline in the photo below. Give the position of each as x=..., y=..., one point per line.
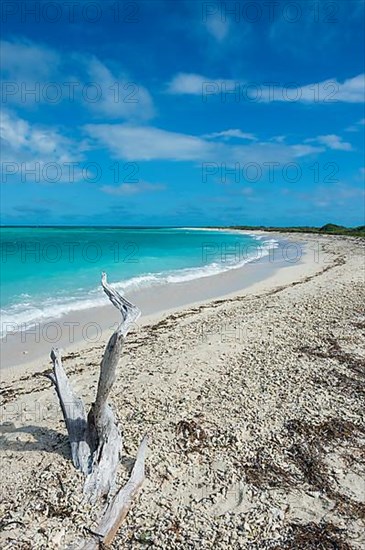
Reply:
x=30, y=344
x=67, y=281
x=327, y=229
x=30, y=348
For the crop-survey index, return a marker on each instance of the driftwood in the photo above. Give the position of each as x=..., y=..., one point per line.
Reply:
x=117, y=509
x=95, y=439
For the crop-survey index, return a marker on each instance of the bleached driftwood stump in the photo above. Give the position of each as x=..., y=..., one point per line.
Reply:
x=95, y=439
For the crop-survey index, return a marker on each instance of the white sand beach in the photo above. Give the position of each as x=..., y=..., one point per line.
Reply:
x=253, y=398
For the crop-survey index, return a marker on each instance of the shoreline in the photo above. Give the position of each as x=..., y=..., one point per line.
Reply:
x=211, y=263
x=25, y=350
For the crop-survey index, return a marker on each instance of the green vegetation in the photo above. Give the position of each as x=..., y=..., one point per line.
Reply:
x=328, y=229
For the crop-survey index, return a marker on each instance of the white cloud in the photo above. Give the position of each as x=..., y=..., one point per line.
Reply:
x=27, y=62
x=148, y=143
x=194, y=84
x=27, y=143
x=120, y=97
x=328, y=91
x=14, y=131
x=32, y=147
x=184, y=83
x=29, y=67
x=216, y=27
x=332, y=142
x=302, y=150
x=145, y=143
x=356, y=127
x=248, y=191
x=339, y=194
x=127, y=189
x=234, y=133
x=19, y=136
x=279, y=139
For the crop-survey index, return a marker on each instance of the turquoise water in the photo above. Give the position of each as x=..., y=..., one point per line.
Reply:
x=47, y=272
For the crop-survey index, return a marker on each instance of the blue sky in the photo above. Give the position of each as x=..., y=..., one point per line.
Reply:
x=183, y=113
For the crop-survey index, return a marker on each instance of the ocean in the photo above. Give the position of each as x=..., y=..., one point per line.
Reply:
x=48, y=272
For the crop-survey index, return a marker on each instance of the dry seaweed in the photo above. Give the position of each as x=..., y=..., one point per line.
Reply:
x=190, y=436
x=347, y=506
x=334, y=351
x=325, y=433
x=310, y=465
x=345, y=384
x=308, y=457
x=263, y=472
x=323, y=536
